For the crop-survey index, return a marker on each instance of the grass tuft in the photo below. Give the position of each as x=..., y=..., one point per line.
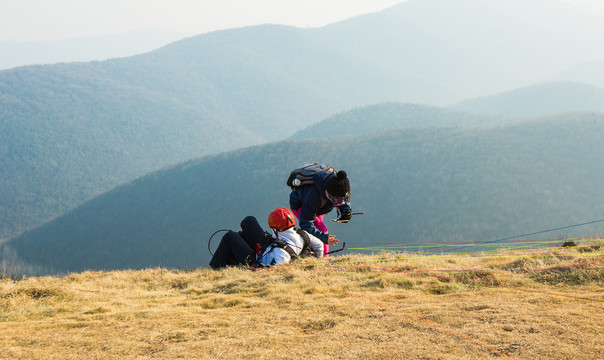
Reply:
x=569, y=276
x=312, y=326
x=35, y=293
x=438, y=288
x=477, y=277
x=98, y=310
x=589, y=248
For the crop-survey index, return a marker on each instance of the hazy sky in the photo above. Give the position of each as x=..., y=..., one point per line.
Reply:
x=27, y=20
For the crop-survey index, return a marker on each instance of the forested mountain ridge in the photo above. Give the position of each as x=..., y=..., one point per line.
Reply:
x=394, y=115
x=414, y=185
x=510, y=106
x=55, y=156
x=70, y=131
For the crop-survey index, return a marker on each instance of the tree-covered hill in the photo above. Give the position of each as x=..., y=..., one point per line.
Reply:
x=539, y=100
x=414, y=185
x=70, y=131
x=394, y=115
x=54, y=155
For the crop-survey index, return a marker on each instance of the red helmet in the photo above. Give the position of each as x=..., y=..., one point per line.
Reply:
x=281, y=219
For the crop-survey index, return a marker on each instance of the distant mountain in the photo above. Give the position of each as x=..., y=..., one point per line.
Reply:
x=90, y=48
x=55, y=155
x=588, y=73
x=539, y=100
x=70, y=131
x=391, y=116
x=414, y=185
x=472, y=47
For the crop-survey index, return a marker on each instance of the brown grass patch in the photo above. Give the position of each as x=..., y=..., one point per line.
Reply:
x=545, y=304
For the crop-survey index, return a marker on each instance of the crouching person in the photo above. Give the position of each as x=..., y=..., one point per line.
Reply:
x=285, y=244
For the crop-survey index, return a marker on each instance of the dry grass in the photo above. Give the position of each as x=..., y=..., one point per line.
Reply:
x=544, y=304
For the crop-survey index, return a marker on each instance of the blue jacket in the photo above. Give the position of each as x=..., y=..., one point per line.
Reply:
x=312, y=201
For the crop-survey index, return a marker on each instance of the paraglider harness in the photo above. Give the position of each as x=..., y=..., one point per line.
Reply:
x=275, y=242
x=270, y=241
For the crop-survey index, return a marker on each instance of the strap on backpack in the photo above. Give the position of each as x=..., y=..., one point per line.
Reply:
x=283, y=245
x=306, y=251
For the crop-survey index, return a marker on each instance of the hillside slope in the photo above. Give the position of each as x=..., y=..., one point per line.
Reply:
x=106, y=122
x=126, y=117
x=544, y=303
x=393, y=115
x=419, y=185
x=52, y=161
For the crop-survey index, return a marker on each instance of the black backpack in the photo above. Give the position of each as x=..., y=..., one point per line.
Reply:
x=303, y=176
x=306, y=250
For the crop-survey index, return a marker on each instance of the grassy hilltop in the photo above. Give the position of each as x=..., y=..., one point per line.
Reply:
x=524, y=304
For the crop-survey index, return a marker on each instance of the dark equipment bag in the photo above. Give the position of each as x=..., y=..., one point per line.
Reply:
x=303, y=176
